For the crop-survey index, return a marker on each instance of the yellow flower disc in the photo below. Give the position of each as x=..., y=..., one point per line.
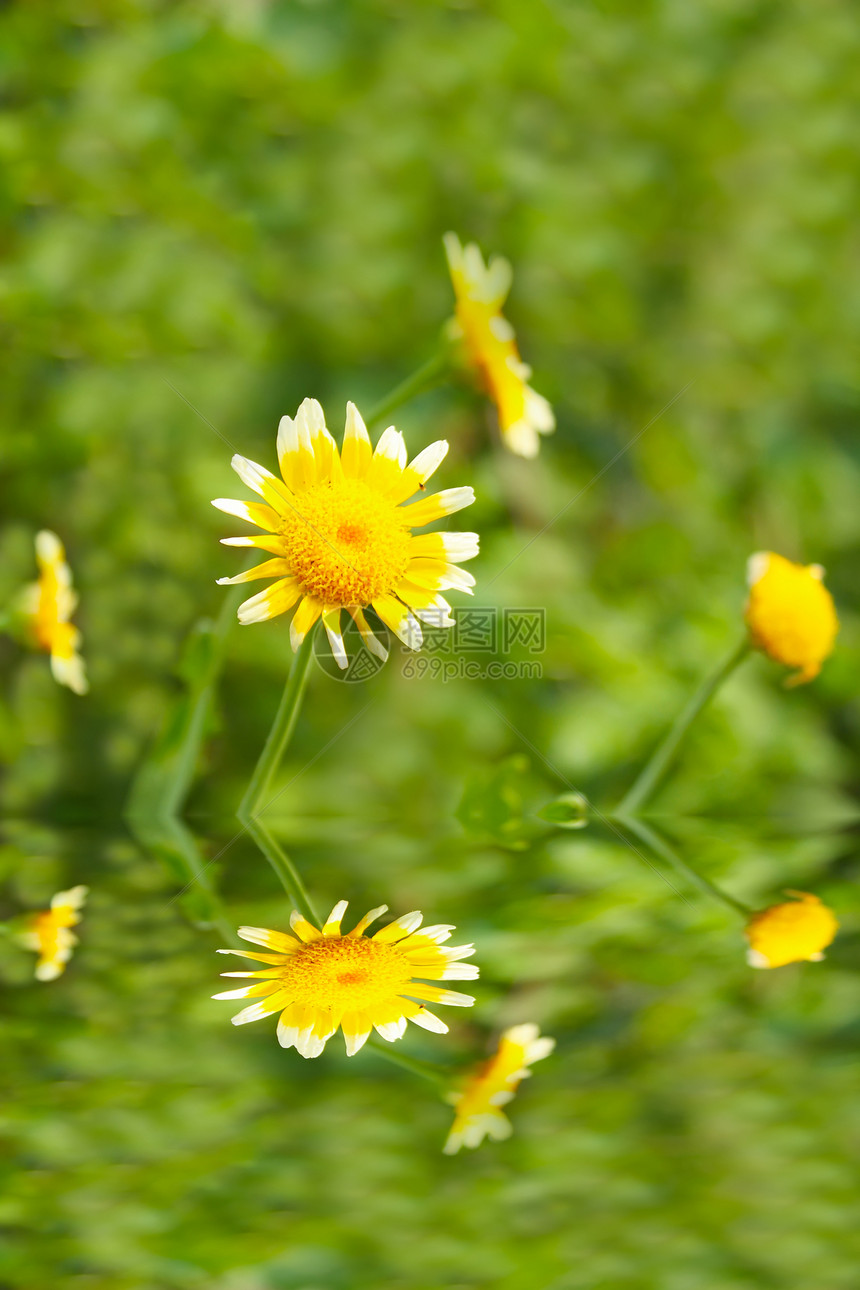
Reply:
x=790, y=613
x=797, y=931
x=346, y=543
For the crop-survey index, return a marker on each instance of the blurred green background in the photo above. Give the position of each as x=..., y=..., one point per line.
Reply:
x=216, y=209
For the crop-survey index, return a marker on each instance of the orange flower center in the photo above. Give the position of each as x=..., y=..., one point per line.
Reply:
x=345, y=973
x=348, y=544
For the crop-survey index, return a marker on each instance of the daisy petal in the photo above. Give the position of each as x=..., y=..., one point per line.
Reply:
x=331, y=927
x=401, y=927
x=388, y=463
x=331, y=623
x=399, y=619
x=369, y=918
x=371, y=640
x=303, y=929
x=429, y=1021
x=274, y=600
x=254, y=512
x=356, y=453
x=356, y=1031
x=419, y=470
x=261, y=481
x=280, y=941
x=428, y=509
x=277, y=568
x=269, y=542
x=304, y=618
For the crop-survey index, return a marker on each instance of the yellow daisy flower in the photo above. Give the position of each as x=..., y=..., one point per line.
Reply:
x=790, y=613
x=48, y=606
x=491, y=348
x=320, y=981
x=795, y=932
x=50, y=935
x=477, y=1113
x=341, y=537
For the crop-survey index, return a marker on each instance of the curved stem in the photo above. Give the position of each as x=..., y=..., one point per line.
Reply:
x=429, y=374
x=427, y=1070
x=279, y=736
x=653, y=771
x=661, y=847
x=283, y=866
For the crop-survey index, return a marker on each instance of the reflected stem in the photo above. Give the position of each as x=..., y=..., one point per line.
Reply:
x=661, y=847
x=656, y=767
x=426, y=377
x=253, y=803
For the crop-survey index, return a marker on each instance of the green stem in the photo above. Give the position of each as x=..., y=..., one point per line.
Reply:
x=283, y=867
x=653, y=771
x=164, y=779
x=279, y=736
x=425, y=378
x=661, y=848
x=427, y=1070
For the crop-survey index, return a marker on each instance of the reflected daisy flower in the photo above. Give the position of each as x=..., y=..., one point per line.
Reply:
x=322, y=981
x=477, y=1115
x=796, y=931
x=341, y=536
x=48, y=605
x=490, y=346
x=790, y=613
x=49, y=933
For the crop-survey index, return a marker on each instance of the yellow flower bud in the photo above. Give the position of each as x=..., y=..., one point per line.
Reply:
x=794, y=932
x=790, y=613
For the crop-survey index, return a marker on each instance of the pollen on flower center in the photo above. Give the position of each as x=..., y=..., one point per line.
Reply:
x=348, y=544
x=345, y=972
x=354, y=534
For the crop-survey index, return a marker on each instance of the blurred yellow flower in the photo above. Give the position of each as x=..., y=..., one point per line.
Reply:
x=48, y=606
x=477, y=1112
x=491, y=348
x=790, y=613
x=340, y=534
x=320, y=981
x=49, y=933
x=797, y=931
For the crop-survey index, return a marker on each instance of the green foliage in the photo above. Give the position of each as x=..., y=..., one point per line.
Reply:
x=215, y=209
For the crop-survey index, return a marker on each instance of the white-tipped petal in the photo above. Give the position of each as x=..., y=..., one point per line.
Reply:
x=391, y=447
x=392, y=1030
x=429, y=1021
x=356, y=453
x=256, y=1012
x=331, y=927
x=370, y=917
x=400, y=927
x=757, y=566
x=331, y=623
x=460, y=972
